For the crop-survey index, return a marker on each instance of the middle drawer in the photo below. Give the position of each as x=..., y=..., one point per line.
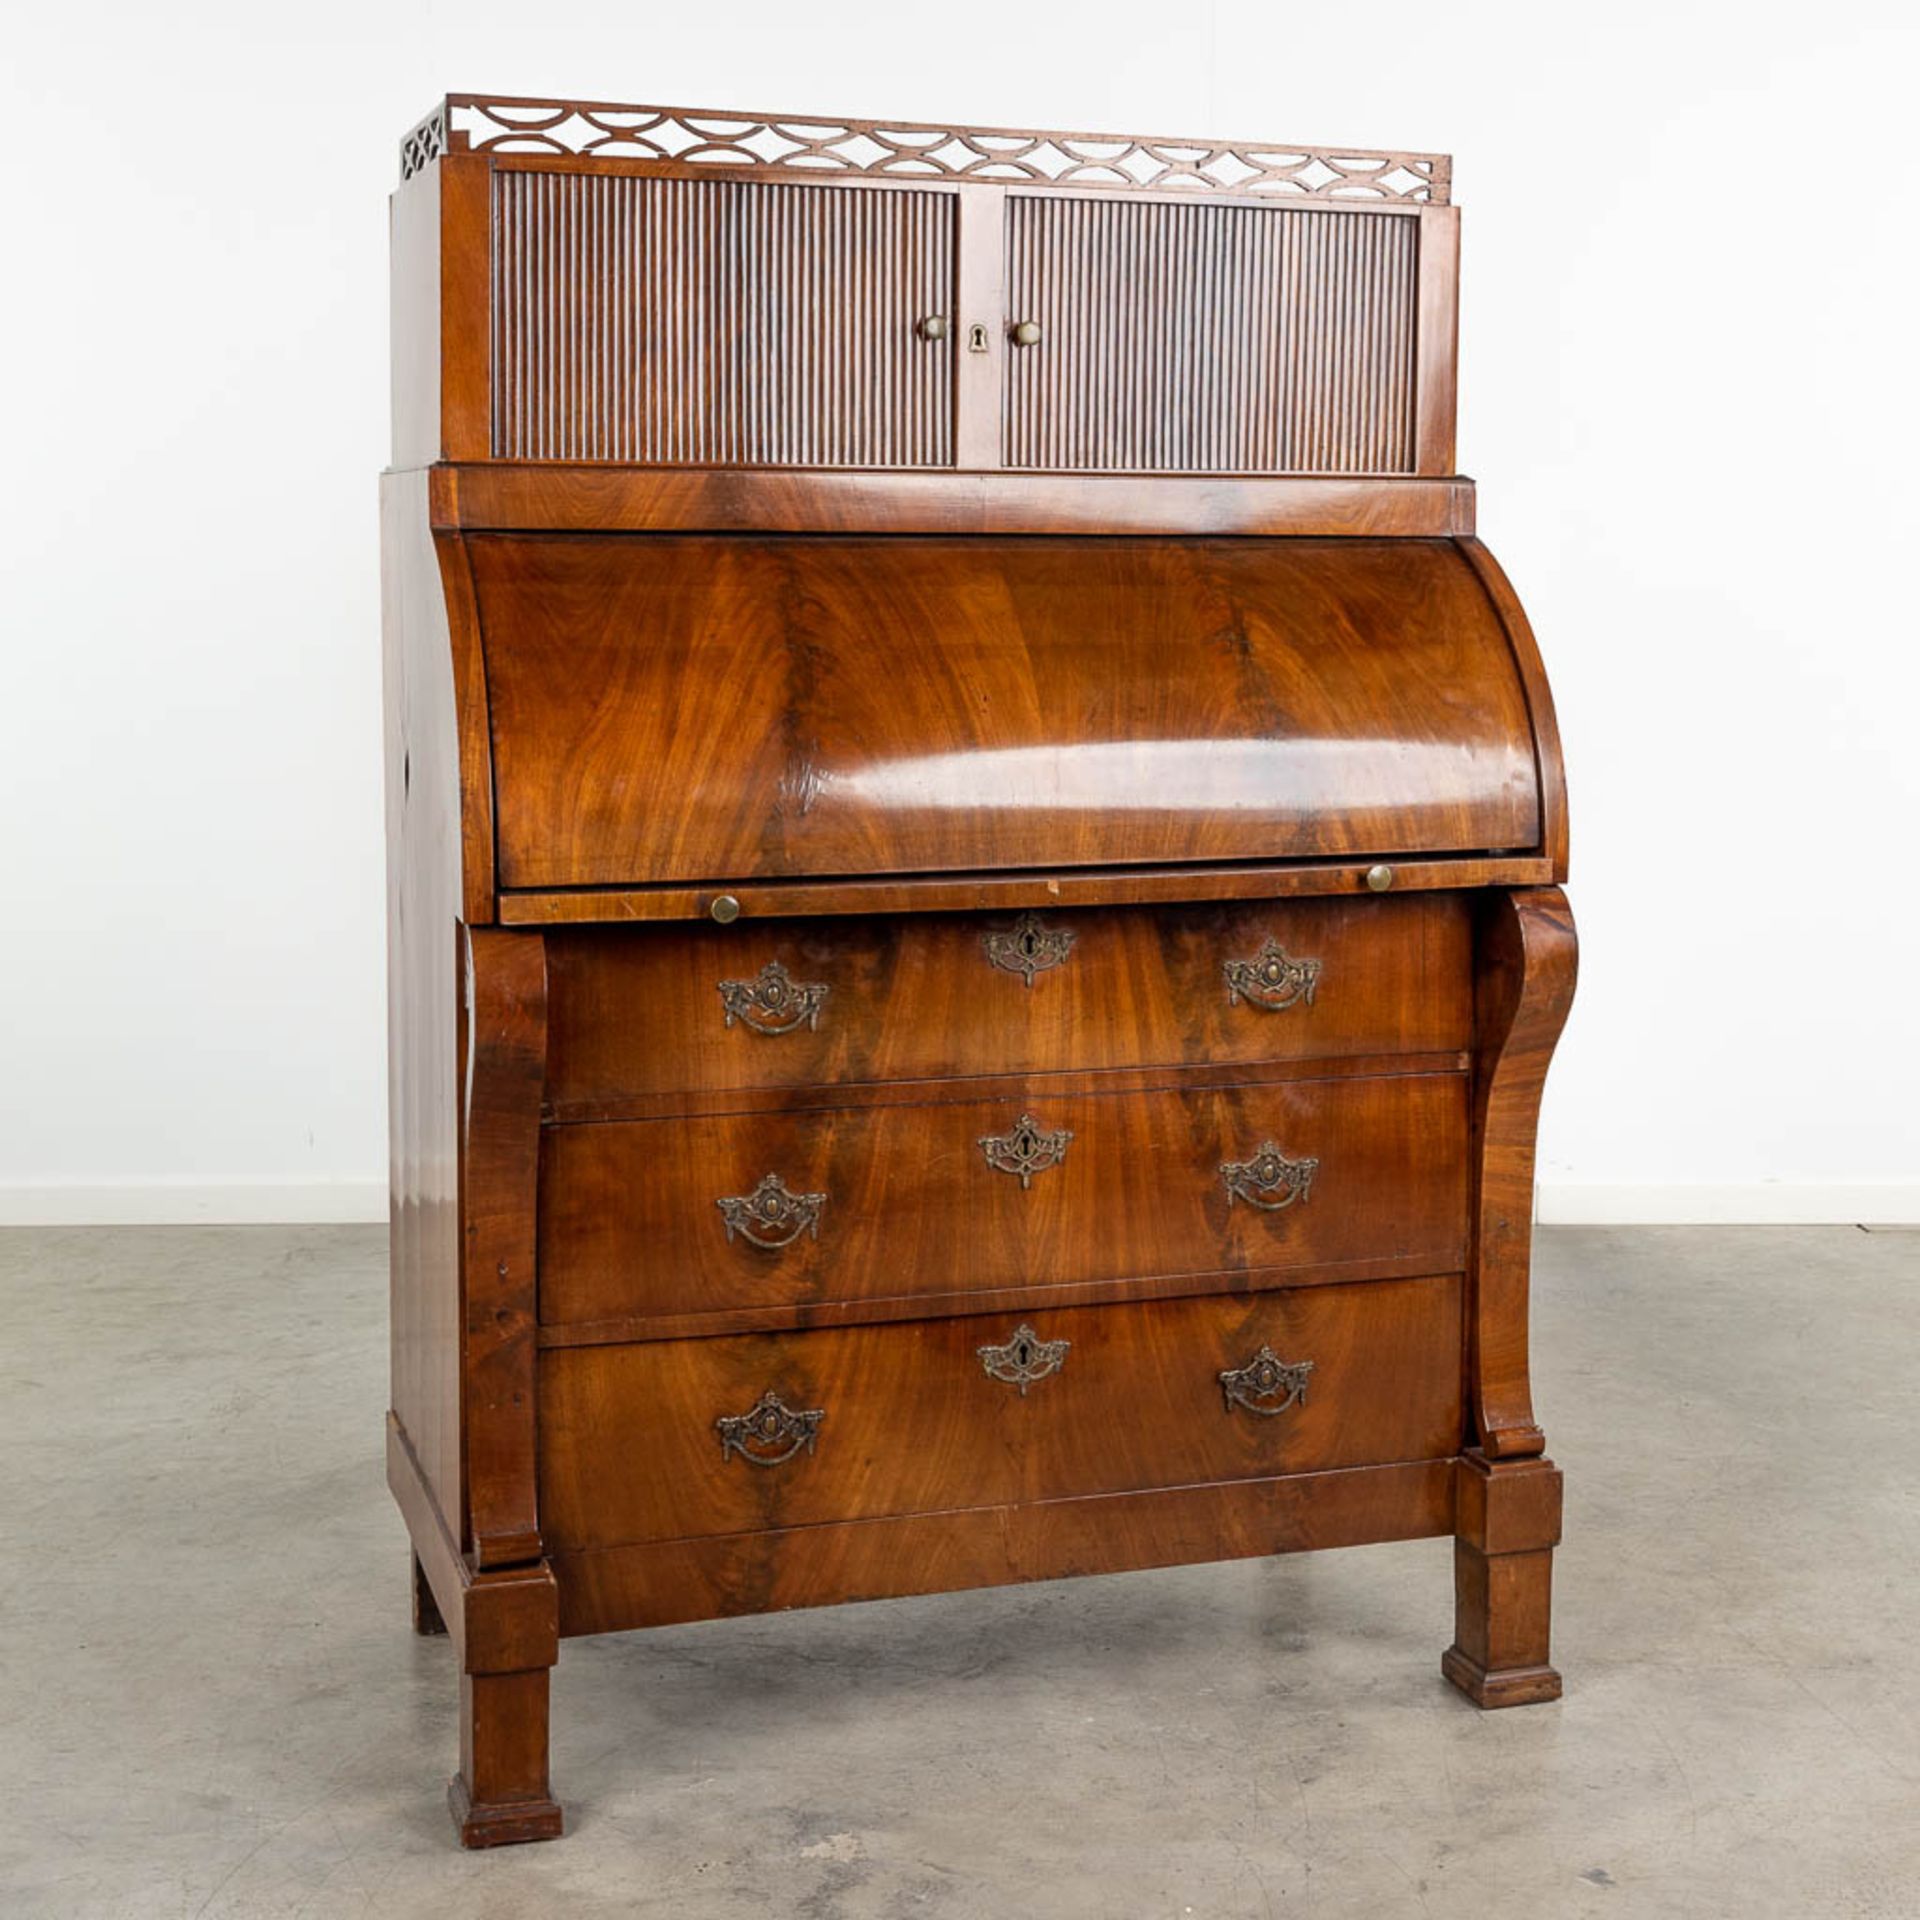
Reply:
x=874, y=1202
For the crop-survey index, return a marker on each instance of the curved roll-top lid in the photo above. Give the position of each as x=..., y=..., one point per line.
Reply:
x=689, y=708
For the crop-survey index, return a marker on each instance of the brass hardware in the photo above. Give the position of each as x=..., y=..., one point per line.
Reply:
x=1027, y=947
x=932, y=326
x=1026, y=333
x=1027, y=1150
x=1024, y=1359
x=773, y=1432
x=773, y=1001
x=1268, y=1172
x=770, y=1216
x=1270, y=980
x=1379, y=878
x=1263, y=1377
x=725, y=909
x=977, y=341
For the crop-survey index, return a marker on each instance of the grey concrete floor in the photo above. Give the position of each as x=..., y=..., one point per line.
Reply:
x=210, y=1702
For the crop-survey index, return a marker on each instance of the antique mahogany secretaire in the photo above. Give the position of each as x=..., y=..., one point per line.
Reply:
x=974, y=884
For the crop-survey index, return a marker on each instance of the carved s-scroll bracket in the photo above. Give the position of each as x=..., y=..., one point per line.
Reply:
x=1525, y=963
x=504, y=1074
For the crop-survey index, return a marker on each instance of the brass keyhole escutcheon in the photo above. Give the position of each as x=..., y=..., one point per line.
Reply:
x=977, y=341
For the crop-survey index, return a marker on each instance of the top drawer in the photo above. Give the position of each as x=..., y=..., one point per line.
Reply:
x=805, y=1003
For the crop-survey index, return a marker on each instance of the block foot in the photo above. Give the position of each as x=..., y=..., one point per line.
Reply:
x=504, y=1823
x=1504, y=1687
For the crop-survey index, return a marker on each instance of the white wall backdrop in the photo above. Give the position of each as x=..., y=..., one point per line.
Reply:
x=1688, y=382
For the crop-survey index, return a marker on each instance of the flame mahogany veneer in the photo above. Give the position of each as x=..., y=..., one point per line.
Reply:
x=974, y=858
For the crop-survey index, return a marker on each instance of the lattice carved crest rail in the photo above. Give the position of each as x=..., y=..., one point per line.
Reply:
x=912, y=150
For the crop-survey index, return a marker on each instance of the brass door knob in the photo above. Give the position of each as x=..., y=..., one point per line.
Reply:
x=1379, y=878
x=1026, y=333
x=932, y=326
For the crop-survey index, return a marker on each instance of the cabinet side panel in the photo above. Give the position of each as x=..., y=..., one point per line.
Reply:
x=423, y=906
x=736, y=322
x=414, y=293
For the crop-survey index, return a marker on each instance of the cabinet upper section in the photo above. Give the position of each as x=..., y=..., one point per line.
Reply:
x=582, y=283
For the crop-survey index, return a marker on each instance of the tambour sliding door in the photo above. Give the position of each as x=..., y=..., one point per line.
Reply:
x=720, y=322
x=1209, y=337
x=659, y=319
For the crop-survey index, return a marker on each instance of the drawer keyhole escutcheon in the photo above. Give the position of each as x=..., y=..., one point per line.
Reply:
x=770, y=1216
x=773, y=1001
x=1271, y=980
x=1266, y=1384
x=1027, y=947
x=977, y=338
x=1027, y=1150
x=1024, y=1359
x=1269, y=1180
x=771, y=1433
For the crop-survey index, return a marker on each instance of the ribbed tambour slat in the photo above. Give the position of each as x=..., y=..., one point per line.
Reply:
x=719, y=321
x=1209, y=338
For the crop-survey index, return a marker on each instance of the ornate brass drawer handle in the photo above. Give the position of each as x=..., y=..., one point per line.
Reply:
x=773, y=1432
x=1027, y=1150
x=773, y=1001
x=1024, y=1359
x=1269, y=1180
x=770, y=1216
x=1270, y=980
x=1266, y=1384
x=1027, y=947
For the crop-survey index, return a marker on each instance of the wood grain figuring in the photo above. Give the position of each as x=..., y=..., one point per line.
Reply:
x=918, y=998
x=428, y=781
x=915, y=1424
x=504, y=497
x=1540, y=709
x=630, y=1222
x=505, y=1060
x=614, y=1589
x=1209, y=338
x=674, y=320
x=1022, y=1298
x=683, y=708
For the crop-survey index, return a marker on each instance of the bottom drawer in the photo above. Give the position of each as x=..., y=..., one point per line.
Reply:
x=670, y=1439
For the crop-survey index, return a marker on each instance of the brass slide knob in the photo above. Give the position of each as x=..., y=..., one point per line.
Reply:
x=1026, y=333
x=932, y=326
